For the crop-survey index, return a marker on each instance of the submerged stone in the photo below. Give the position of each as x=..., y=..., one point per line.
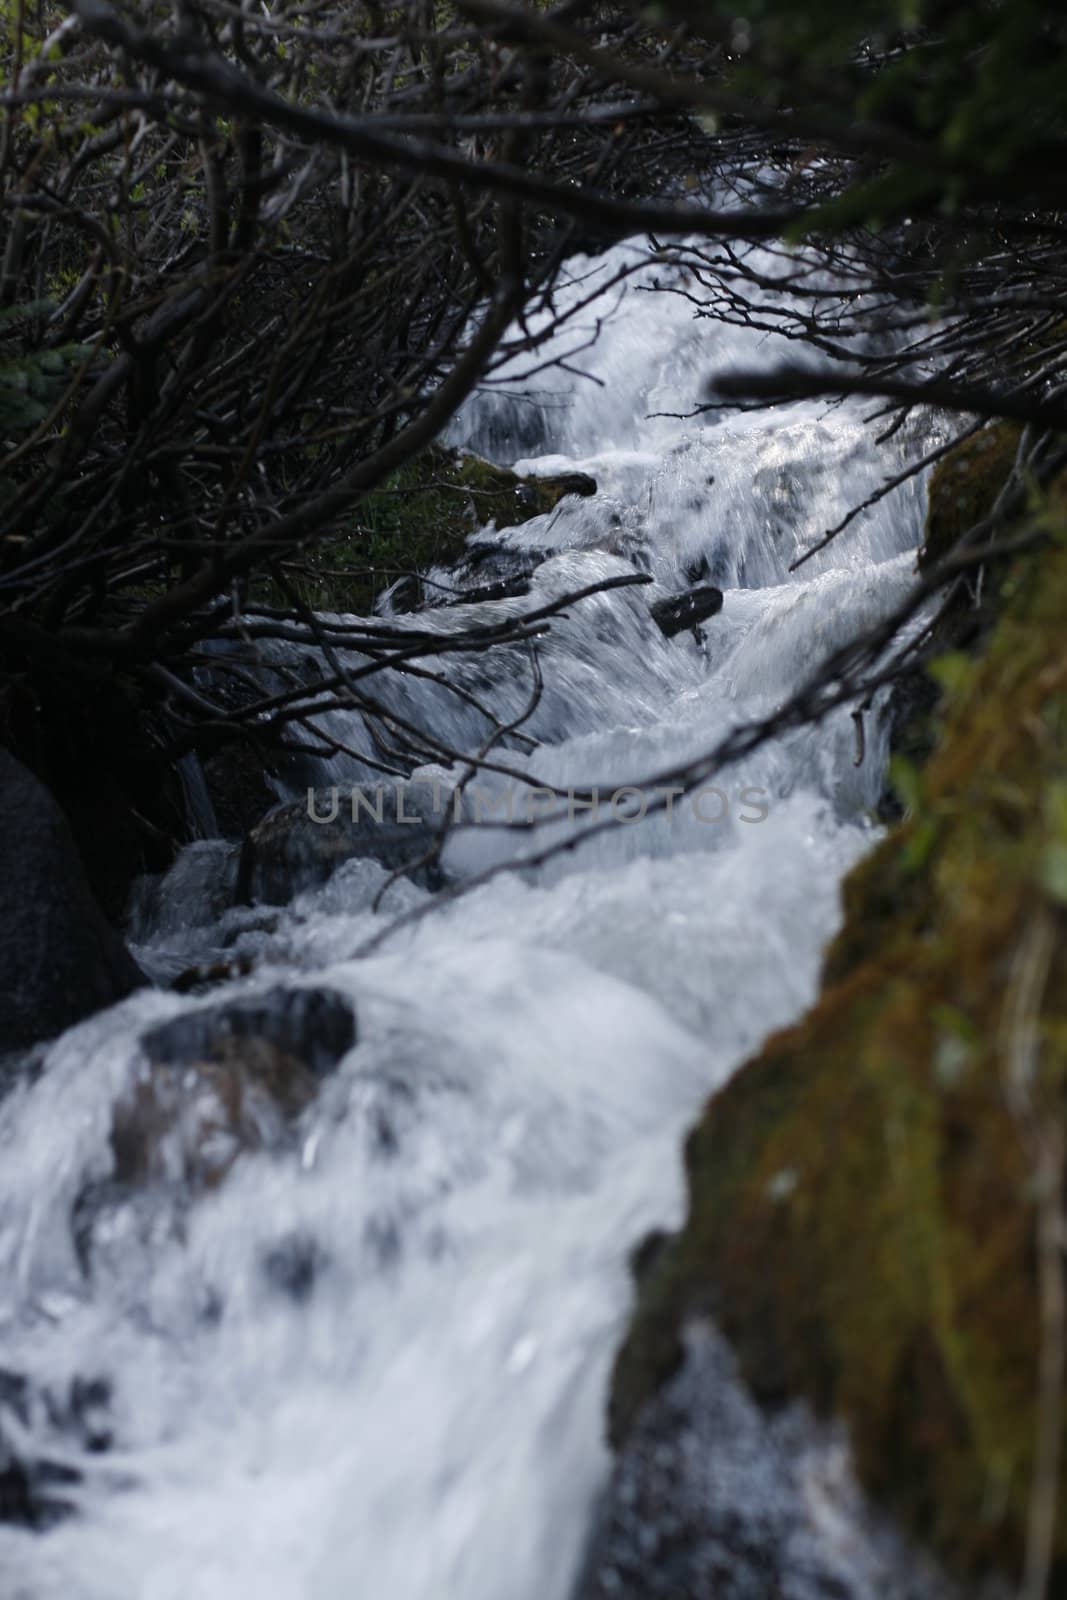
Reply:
x=300, y=846
x=715, y=1498
x=313, y=1026
x=224, y=1079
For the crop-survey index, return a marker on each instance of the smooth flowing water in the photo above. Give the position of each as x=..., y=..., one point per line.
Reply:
x=418, y=1413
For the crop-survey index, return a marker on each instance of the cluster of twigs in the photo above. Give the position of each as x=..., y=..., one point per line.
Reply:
x=255, y=257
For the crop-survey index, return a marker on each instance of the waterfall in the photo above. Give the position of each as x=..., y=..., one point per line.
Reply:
x=418, y=1411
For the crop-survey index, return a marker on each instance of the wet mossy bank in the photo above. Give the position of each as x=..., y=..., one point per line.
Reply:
x=872, y=1197
x=420, y=518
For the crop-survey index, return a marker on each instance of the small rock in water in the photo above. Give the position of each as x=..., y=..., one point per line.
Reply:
x=313, y=1026
x=195, y=892
x=299, y=846
x=224, y=1079
x=294, y=1265
x=564, y=483
x=680, y=611
x=35, y=1489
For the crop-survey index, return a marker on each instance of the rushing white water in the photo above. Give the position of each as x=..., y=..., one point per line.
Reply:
x=424, y=1419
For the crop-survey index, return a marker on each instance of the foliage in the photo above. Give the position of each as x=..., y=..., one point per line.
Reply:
x=949, y=101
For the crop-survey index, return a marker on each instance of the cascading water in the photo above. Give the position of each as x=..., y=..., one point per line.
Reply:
x=418, y=1412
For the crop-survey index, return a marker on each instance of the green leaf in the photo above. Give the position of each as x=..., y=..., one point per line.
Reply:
x=1052, y=872
x=907, y=781
x=953, y=671
x=919, y=846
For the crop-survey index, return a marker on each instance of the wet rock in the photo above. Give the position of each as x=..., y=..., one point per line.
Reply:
x=485, y=571
x=294, y=1266
x=60, y=957
x=199, y=887
x=561, y=485
x=680, y=611
x=224, y=1079
x=494, y=560
x=964, y=487
x=912, y=732
x=422, y=520
x=314, y=1026
x=37, y=1428
x=487, y=564
x=299, y=846
x=714, y=1499
x=502, y=589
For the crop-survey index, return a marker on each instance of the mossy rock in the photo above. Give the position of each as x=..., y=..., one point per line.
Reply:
x=863, y=1218
x=964, y=487
x=420, y=518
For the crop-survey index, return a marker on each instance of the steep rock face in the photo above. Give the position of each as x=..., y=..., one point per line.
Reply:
x=872, y=1198
x=61, y=960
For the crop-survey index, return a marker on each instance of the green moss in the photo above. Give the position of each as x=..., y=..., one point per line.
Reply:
x=888, y=886
x=964, y=486
x=963, y=489
x=862, y=1213
x=420, y=518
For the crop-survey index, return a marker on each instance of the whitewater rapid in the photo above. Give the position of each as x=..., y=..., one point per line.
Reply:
x=424, y=1421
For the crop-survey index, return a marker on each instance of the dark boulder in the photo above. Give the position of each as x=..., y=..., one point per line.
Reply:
x=224, y=1079
x=61, y=958
x=680, y=611
x=312, y=1026
x=494, y=561
x=299, y=846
